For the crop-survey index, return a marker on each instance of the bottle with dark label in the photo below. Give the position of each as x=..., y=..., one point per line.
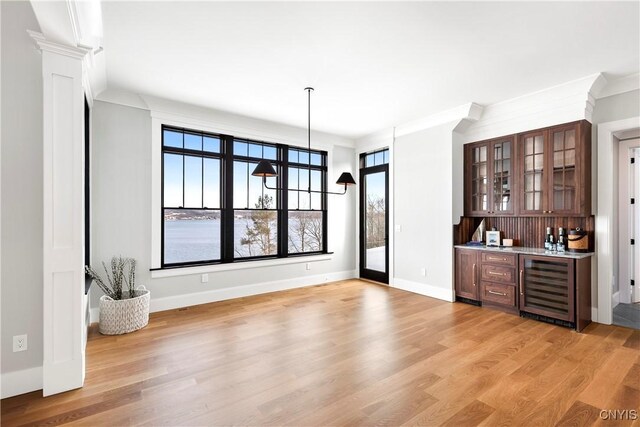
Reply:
x=561, y=240
x=548, y=240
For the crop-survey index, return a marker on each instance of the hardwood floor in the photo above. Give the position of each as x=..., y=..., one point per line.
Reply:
x=346, y=353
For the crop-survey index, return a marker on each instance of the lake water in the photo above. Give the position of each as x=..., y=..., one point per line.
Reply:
x=199, y=240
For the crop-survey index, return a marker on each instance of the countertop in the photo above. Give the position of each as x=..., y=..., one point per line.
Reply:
x=527, y=251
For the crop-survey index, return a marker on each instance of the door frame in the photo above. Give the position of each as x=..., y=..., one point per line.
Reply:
x=625, y=220
x=364, y=272
x=603, y=312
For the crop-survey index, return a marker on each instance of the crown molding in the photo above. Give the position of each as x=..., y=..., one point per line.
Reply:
x=77, y=52
x=621, y=85
x=464, y=115
x=471, y=112
x=239, y=125
x=562, y=103
x=74, y=20
x=381, y=139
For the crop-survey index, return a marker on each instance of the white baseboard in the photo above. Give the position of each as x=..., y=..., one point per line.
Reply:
x=424, y=289
x=20, y=382
x=94, y=315
x=196, y=298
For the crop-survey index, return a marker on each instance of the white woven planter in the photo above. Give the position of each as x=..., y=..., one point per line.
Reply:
x=126, y=315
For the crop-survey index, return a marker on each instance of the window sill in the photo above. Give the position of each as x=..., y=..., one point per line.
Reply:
x=215, y=268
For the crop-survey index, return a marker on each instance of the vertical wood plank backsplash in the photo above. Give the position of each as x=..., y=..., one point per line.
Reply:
x=525, y=231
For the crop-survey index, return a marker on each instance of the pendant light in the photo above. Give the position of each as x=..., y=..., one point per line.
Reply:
x=265, y=170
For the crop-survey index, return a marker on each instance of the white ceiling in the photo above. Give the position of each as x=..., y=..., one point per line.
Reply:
x=373, y=65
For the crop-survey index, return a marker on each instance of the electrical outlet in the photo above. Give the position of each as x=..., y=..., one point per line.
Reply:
x=204, y=278
x=423, y=271
x=398, y=228
x=308, y=266
x=19, y=343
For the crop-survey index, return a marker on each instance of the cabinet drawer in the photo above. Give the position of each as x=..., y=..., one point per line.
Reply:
x=497, y=293
x=495, y=273
x=499, y=259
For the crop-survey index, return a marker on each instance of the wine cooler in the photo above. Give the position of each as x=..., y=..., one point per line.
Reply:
x=546, y=287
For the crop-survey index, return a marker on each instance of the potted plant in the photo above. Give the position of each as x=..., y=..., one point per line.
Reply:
x=121, y=311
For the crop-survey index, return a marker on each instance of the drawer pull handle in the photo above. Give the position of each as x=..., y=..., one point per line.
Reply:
x=491, y=258
x=474, y=274
x=498, y=293
x=521, y=283
x=493, y=273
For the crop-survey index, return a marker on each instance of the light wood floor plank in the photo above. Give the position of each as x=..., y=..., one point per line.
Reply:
x=341, y=354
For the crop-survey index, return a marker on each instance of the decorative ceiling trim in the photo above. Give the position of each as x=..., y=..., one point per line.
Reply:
x=621, y=85
x=464, y=115
x=562, y=103
x=236, y=124
x=73, y=28
x=470, y=111
x=78, y=52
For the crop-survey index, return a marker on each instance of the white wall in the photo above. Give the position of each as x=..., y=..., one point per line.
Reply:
x=122, y=208
x=424, y=202
x=21, y=191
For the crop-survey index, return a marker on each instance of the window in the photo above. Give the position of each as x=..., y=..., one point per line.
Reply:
x=374, y=158
x=255, y=208
x=191, y=167
x=215, y=211
x=305, y=213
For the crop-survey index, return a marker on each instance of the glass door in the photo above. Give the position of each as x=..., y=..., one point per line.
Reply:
x=374, y=223
x=532, y=153
x=479, y=178
x=563, y=199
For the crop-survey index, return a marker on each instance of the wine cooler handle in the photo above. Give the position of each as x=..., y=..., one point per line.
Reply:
x=521, y=283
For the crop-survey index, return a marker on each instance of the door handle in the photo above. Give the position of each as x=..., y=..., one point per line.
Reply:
x=521, y=281
x=497, y=293
x=474, y=274
x=494, y=273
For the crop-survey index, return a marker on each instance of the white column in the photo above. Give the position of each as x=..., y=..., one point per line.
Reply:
x=63, y=251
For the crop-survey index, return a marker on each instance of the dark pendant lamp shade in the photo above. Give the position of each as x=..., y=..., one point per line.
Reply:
x=264, y=169
x=346, y=179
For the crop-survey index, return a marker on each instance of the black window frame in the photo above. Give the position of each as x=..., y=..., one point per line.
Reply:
x=87, y=192
x=193, y=153
x=229, y=226
x=227, y=158
x=304, y=168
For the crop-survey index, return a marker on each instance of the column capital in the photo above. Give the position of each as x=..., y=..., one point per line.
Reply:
x=77, y=52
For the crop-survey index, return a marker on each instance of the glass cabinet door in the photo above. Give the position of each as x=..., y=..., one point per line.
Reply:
x=502, y=176
x=533, y=166
x=479, y=178
x=563, y=185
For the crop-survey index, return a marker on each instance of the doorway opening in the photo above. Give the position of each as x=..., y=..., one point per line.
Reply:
x=374, y=218
x=626, y=292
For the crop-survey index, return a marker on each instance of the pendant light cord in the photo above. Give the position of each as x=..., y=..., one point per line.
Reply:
x=309, y=89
